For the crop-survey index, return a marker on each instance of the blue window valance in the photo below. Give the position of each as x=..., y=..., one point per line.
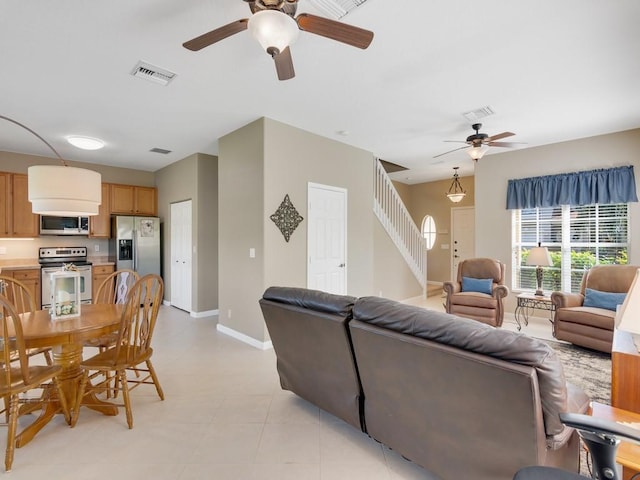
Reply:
x=610, y=185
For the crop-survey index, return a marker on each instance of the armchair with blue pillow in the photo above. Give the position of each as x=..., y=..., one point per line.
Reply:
x=478, y=291
x=587, y=318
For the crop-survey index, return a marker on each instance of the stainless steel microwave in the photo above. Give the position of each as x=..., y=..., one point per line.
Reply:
x=64, y=225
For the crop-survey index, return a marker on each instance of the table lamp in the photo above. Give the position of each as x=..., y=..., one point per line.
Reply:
x=539, y=256
x=628, y=314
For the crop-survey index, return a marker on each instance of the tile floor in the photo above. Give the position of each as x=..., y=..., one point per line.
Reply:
x=224, y=417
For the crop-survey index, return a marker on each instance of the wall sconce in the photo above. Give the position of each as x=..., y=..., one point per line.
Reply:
x=456, y=193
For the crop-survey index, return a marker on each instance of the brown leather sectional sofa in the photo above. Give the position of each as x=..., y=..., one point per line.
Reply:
x=456, y=396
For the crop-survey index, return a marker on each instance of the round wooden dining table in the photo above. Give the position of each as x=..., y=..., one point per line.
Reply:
x=66, y=337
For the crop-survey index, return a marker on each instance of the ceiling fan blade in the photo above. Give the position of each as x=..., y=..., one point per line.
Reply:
x=505, y=144
x=216, y=35
x=342, y=32
x=499, y=136
x=451, y=151
x=284, y=64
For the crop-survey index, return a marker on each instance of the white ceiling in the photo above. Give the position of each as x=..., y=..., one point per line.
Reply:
x=552, y=71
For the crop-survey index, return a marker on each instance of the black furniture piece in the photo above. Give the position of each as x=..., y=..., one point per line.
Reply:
x=601, y=437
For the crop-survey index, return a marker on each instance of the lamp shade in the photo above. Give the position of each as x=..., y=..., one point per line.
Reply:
x=628, y=314
x=273, y=29
x=456, y=197
x=64, y=191
x=539, y=256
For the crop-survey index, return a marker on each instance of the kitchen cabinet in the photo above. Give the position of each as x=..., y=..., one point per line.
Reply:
x=100, y=225
x=31, y=279
x=16, y=217
x=133, y=200
x=99, y=274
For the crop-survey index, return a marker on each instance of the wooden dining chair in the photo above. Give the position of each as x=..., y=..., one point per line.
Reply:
x=18, y=294
x=18, y=377
x=131, y=350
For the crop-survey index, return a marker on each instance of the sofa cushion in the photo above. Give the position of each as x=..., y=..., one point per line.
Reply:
x=590, y=316
x=480, y=285
x=313, y=299
x=479, y=338
x=474, y=299
x=598, y=299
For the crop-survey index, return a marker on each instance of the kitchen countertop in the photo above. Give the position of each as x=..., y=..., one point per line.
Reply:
x=19, y=264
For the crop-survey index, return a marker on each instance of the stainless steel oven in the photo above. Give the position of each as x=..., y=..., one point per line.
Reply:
x=53, y=259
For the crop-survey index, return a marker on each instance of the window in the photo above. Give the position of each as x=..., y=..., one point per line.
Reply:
x=429, y=231
x=577, y=238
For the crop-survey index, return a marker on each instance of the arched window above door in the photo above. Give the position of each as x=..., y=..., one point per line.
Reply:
x=429, y=231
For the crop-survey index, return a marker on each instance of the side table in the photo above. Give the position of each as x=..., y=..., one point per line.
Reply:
x=527, y=302
x=628, y=454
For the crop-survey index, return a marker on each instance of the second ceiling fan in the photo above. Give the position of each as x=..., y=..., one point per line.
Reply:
x=479, y=141
x=274, y=26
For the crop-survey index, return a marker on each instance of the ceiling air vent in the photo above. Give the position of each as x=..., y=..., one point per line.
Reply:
x=152, y=73
x=160, y=150
x=474, y=115
x=337, y=8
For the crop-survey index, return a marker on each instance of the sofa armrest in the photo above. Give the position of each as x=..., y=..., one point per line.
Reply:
x=565, y=300
x=451, y=287
x=577, y=402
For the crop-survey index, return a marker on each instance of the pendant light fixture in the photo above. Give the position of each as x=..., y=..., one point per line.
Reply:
x=61, y=190
x=456, y=193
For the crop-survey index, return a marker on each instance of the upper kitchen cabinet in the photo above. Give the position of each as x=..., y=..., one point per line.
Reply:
x=100, y=225
x=133, y=200
x=16, y=217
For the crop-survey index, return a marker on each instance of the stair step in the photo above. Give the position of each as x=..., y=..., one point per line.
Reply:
x=433, y=290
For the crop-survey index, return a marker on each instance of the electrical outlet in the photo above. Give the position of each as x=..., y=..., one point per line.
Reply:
x=229, y=313
x=96, y=247
x=3, y=250
x=252, y=253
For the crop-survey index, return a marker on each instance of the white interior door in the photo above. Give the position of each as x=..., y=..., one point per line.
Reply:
x=463, y=236
x=327, y=238
x=181, y=255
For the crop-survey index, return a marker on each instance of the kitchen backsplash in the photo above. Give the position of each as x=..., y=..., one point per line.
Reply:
x=19, y=248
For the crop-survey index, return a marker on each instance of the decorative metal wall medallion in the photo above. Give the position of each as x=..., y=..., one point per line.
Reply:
x=286, y=218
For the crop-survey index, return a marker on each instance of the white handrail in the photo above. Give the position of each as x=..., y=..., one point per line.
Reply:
x=397, y=222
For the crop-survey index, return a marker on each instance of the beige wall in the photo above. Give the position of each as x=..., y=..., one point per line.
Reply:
x=493, y=220
x=271, y=159
x=241, y=227
x=431, y=199
x=193, y=178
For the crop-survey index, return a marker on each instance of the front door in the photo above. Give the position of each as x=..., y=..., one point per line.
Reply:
x=327, y=238
x=463, y=236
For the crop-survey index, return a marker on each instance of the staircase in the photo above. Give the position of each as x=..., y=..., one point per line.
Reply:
x=397, y=222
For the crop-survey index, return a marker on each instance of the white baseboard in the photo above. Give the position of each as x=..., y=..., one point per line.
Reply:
x=244, y=338
x=206, y=313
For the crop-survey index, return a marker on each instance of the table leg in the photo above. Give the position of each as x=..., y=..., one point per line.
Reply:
x=69, y=357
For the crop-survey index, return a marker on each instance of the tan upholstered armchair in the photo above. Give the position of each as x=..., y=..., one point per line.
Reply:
x=465, y=299
x=591, y=326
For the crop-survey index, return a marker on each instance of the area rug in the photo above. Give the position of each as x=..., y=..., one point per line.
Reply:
x=589, y=370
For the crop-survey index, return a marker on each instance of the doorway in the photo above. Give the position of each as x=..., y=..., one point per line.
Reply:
x=181, y=255
x=327, y=238
x=463, y=236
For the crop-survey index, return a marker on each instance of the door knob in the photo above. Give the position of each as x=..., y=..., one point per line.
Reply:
x=342, y=265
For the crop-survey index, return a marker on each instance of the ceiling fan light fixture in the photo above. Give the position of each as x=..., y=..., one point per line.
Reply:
x=476, y=153
x=273, y=29
x=456, y=193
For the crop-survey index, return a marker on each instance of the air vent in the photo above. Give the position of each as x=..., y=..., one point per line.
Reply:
x=474, y=115
x=160, y=150
x=337, y=8
x=152, y=73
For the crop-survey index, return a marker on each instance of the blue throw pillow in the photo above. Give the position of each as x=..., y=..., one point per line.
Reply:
x=598, y=299
x=481, y=285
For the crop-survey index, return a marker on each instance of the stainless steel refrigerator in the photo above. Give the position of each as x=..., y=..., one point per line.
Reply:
x=135, y=243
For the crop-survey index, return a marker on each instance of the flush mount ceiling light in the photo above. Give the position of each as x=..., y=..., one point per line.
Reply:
x=274, y=30
x=59, y=189
x=85, y=143
x=456, y=193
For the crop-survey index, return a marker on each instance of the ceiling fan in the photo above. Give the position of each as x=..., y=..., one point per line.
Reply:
x=273, y=24
x=479, y=142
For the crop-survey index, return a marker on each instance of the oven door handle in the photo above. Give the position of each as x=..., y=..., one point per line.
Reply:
x=134, y=257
